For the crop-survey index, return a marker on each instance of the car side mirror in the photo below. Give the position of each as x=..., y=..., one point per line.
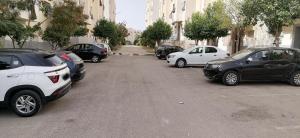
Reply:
x=249, y=60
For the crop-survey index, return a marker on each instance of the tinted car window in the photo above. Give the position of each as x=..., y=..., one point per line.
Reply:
x=54, y=60
x=282, y=55
x=4, y=62
x=260, y=56
x=15, y=62
x=210, y=50
x=76, y=47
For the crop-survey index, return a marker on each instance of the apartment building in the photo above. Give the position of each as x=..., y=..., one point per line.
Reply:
x=93, y=9
x=177, y=12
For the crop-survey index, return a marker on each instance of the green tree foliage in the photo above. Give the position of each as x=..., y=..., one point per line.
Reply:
x=67, y=20
x=195, y=29
x=275, y=14
x=110, y=32
x=105, y=30
x=160, y=30
x=14, y=28
x=145, y=39
x=211, y=25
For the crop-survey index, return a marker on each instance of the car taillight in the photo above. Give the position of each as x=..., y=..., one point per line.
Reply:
x=65, y=57
x=54, y=78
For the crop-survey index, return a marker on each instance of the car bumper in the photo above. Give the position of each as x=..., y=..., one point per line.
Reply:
x=171, y=61
x=79, y=75
x=59, y=93
x=212, y=74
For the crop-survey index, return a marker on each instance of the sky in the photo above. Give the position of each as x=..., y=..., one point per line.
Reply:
x=132, y=12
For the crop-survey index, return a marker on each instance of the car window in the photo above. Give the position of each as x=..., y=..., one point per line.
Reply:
x=282, y=55
x=54, y=60
x=5, y=62
x=210, y=50
x=75, y=47
x=260, y=56
x=198, y=50
x=15, y=62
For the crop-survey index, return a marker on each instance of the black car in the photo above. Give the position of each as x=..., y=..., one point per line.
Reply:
x=257, y=64
x=163, y=51
x=75, y=64
x=92, y=52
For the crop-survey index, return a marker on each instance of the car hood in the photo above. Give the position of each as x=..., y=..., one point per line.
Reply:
x=221, y=61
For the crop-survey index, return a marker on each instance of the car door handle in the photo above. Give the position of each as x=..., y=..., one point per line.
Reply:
x=215, y=55
x=200, y=55
x=12, y=76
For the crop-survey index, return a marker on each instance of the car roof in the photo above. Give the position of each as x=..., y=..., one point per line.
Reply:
x=18, y=51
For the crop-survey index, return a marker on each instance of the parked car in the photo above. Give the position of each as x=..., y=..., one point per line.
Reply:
x=198, y=55
x=163, y=51
x=75, y=64
x=92, y=52
x=31, y=78
x=107, y=47
x=257, y=64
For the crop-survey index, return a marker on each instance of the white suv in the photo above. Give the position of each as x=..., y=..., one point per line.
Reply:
x=198, y=55
x=31, y=78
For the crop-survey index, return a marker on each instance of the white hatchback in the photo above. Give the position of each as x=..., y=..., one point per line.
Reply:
x=198, y=55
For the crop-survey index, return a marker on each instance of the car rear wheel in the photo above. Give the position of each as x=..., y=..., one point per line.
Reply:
x=180, y=63
x=295, y=79
x=26, y=103
x=96, y=59
x=231, y=78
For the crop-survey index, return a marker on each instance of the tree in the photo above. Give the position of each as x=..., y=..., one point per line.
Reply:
x=275, y=14
x=105, y=30
x=67, y=20
x=160, y=30
x=194, y=29
x=234, y=11
x=14, y=28
x=217, y=21
x=145, y=39
x=210, y=25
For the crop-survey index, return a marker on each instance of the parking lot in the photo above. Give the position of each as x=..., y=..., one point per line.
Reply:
x=142, y=97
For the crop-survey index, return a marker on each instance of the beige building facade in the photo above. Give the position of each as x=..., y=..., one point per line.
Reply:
x=177, y=12
x=93, y=9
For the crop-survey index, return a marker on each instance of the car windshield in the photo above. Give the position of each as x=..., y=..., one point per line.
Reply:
x=188, y=50
x=242, y=54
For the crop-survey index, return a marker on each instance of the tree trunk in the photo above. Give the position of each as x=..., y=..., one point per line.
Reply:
x=196, y=42
x=158, y=42
x=277, y=38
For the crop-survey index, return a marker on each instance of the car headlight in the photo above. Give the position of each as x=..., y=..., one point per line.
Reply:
x=171, y=56
x=216, y=66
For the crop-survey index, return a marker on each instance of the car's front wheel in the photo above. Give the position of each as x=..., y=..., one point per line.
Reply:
x=231, y=78
x=295, y=78
x=96, y=59
x=180, y=63
x=26, y=103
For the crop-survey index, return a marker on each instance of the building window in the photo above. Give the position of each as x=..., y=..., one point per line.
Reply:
x=184, y=6
x=174, y=9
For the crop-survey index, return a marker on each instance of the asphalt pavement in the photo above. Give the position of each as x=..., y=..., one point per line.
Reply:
x=129, y=96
